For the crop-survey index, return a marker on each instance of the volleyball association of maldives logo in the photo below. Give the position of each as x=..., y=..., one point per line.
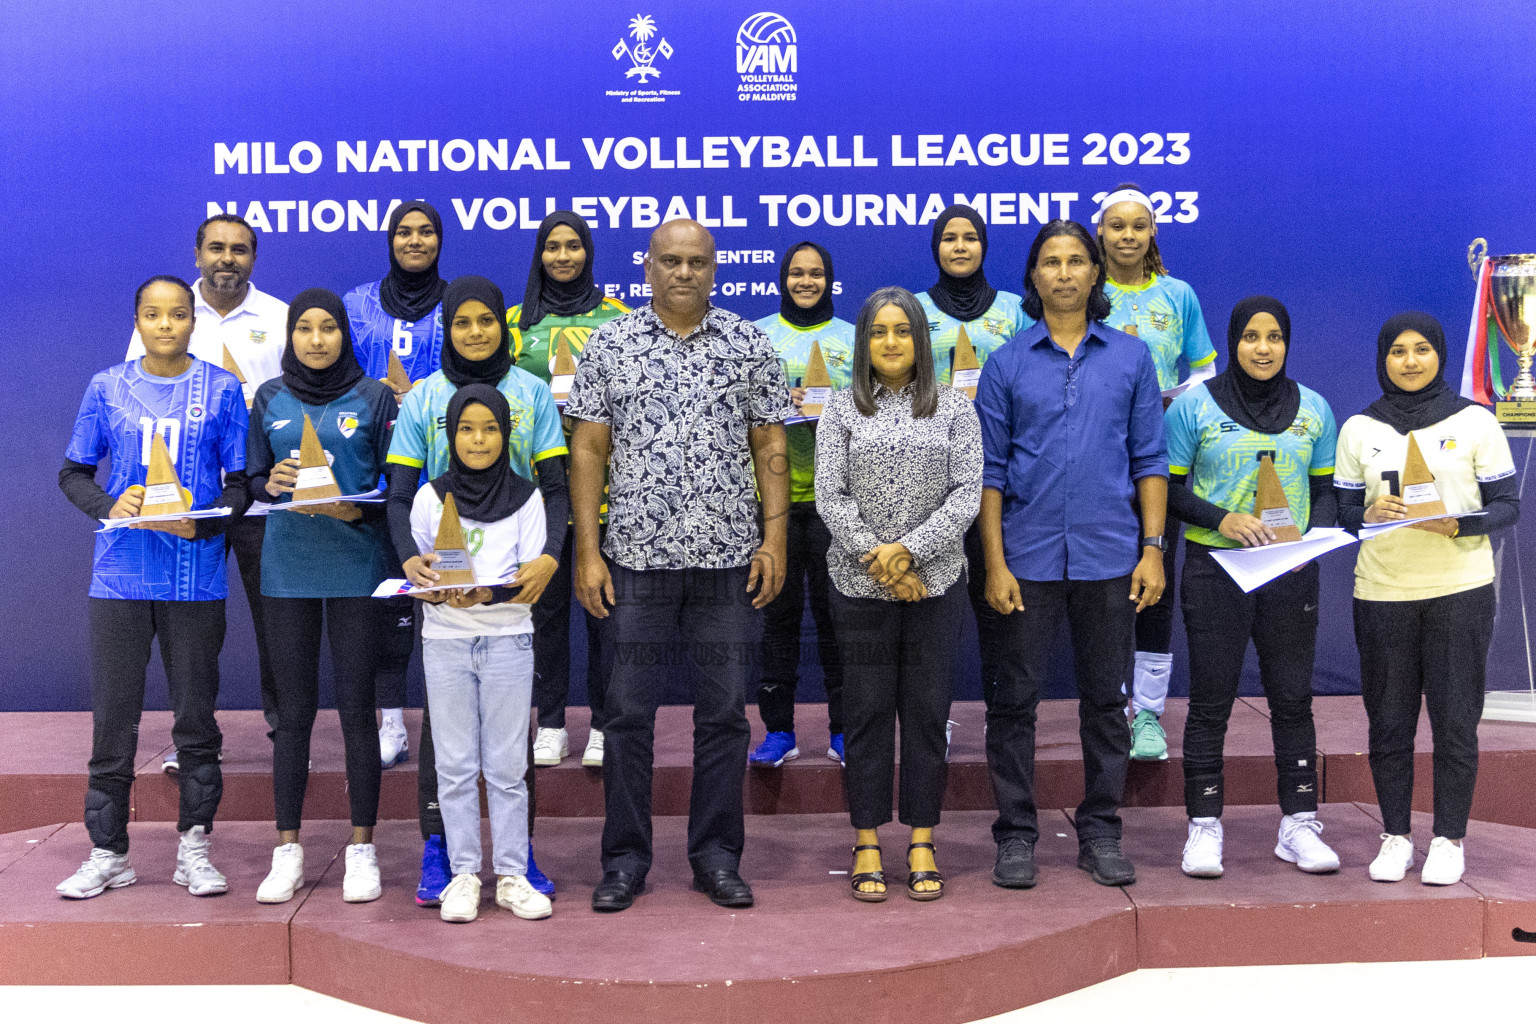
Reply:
x=642, y=56
x=767, y=58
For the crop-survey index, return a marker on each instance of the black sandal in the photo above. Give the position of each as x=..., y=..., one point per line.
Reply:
x=868, y=876
x=913, y=877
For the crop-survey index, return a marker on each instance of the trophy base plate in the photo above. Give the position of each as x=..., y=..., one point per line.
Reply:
x=1510, y=705
x=1520, y=413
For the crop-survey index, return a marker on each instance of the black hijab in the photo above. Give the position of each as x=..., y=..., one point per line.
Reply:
x=484, y=495
x=405, y=294
x=456, y=368
x=964, y=298
x=817, y=314
x=1413, y=410
x=1263, y=406
x=318, y=387
x=544, y=296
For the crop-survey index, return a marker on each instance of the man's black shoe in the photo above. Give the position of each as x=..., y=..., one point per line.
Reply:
x=724, y=887
x=1102, y=859
x=617, y=891
x=1015, y=867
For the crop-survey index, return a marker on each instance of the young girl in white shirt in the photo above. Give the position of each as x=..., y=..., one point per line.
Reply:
x=477, y=650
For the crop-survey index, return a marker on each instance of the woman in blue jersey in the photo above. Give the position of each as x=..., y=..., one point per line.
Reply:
x=804, y=318
x=477, y=352
x=319, y=567
x=165, y=581
x=401, y=313
x=1217, y=434
x=1162, y=311
x=962, y=299
x=562, y=302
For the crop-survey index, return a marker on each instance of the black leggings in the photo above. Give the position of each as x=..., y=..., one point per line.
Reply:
x=1281, y=620
x=397, y=641
x=1432, y=653
x=191, y=633
x=293, y=641
x=1154, y=625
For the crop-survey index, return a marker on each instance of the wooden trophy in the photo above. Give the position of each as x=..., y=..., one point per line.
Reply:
x=234, y=368
x=163, y=493
x=315, y=477
x=562, y=368
x=1270, y=505
x=398, y=380
x=1419, y=491
x=817, y=383
x=453, y=565
x=966, y=372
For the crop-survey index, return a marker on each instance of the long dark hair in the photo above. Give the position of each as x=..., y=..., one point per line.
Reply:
x=925, y=398
x=1098, y=302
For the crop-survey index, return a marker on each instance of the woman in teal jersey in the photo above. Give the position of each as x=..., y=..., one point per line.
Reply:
x=1163, y=312
x=806, y=286
x=562, y=302
x=962, y=299
x=1218, y=432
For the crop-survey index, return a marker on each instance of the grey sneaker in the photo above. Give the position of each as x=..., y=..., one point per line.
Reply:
x=1015, y=867
x=1102, y=859
x=193, y=868
x=101, y=871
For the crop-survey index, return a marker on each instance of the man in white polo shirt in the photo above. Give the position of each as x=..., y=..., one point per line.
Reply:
x=239, y=322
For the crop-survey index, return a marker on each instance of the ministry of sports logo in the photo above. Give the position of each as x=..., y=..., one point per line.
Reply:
x=642, y=57
x=767, y=58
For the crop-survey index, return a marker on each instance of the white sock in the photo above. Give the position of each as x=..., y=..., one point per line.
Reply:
x=1149, y=690
x=393, y=716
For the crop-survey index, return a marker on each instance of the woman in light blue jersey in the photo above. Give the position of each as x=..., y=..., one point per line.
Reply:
x=806, y=287
x=1218, y=434
x=1163, y=311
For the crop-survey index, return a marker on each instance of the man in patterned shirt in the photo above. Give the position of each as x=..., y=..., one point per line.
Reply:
x=683, y=404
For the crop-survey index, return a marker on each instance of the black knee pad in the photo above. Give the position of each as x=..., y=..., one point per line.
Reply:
x=202, y=786
x=105, y=818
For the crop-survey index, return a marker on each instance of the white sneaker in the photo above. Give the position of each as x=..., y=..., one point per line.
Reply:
x=193, y=868
x=1394, y=860
x=550, y=746
x=592, y=757
x=1444, y=863
x=101, y=871
x=461, y=900
x=1202, y=850
x=172, y=763
x=394, y=743
x=1301, y=844
x=361, y=884
x=515, y=894
x=286, y=876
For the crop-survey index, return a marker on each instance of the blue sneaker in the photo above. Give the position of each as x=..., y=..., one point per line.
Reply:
x=435, y=875
x=774, y=751
x=538, y=879
x=835, y=748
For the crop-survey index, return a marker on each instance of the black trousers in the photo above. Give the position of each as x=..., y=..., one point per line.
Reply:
x=294, y=625
x=191, y=634
x=552, y=648
x=805, y=577
x=992, y=634
x=898, y=660
x=245, y=536
x=1281, y=620
x=1102, y=623
x=398, y=638
x=1434, y=653
x=665, y=620
x=1154, y=625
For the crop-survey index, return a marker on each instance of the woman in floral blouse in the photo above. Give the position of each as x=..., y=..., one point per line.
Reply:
x=898, y=481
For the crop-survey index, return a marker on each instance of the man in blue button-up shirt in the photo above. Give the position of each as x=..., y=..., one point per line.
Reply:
x=1074, y=490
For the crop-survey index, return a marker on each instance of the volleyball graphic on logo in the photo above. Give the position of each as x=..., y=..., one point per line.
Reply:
x=765, y=29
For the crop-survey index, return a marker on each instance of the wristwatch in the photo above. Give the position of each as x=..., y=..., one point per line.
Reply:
x=1161, y=543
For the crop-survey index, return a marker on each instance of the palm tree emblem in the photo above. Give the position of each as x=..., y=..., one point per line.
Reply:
x=642, y=27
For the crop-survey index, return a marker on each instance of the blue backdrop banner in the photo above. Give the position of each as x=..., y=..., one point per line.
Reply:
x=1339, y=156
